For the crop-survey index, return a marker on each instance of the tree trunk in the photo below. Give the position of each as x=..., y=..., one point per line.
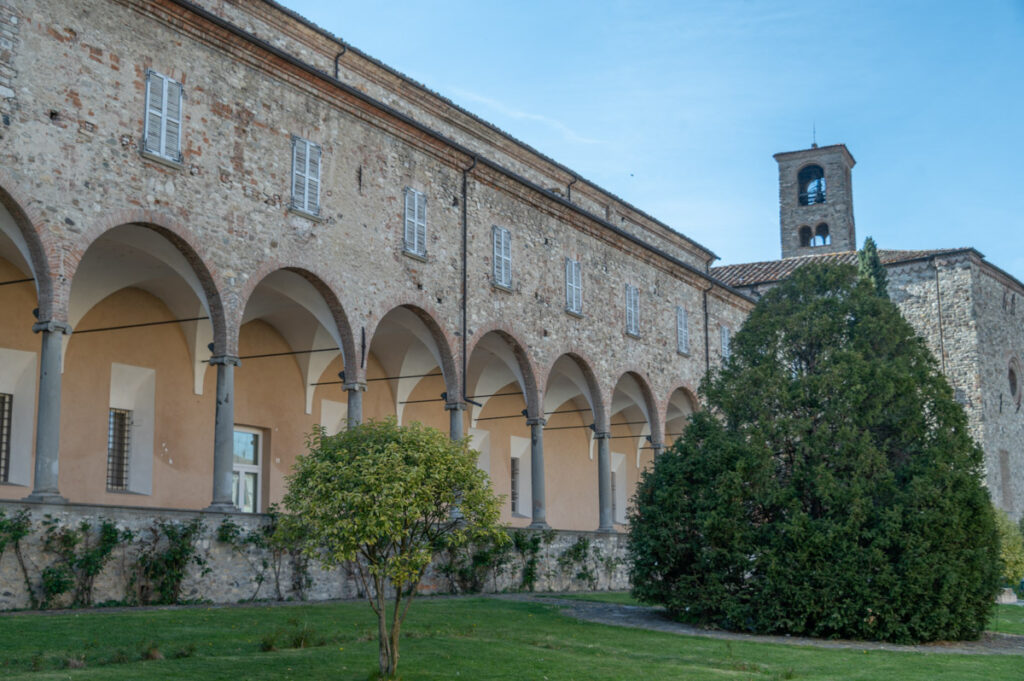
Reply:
x=384, y=656
x=395, y=626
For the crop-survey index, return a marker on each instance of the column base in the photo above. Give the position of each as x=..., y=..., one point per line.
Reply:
x=538, y=526
x=607, y=530
x=45, y=498
x=222, y=508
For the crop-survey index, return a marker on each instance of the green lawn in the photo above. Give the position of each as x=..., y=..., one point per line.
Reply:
x=1008, y=619
x=475, y=639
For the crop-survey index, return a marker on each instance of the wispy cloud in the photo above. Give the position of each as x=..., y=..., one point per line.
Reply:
x=568, y=133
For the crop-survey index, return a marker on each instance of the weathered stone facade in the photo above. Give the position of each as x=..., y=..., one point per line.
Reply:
x=964, y=307
x=187, y=295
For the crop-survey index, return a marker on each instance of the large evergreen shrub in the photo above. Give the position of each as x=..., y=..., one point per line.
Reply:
x=830, y=489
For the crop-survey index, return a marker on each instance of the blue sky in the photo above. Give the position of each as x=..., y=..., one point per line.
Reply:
x=678, y=107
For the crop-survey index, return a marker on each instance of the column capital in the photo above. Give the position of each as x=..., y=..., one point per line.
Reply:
x=50, y=326
x=540, y=421
x=455, y=406
x=353, y=386
x=602, y=435
x=225, y=359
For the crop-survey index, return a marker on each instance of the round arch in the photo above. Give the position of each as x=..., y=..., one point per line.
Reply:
x=26, y=236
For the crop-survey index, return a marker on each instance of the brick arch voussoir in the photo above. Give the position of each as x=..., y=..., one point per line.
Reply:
x=586, y=364
x=446, y=342
x=527, y=365
x=185, y=241
x=43, y=245
x=655, y=421
x=325, y=284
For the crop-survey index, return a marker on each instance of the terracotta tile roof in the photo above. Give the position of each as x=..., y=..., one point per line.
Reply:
x=770, y=271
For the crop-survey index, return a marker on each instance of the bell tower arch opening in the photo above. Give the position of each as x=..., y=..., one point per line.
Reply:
x=815, y=189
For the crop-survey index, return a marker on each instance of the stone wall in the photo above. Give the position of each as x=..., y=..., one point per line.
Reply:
x=566, y=561
x=999, y=311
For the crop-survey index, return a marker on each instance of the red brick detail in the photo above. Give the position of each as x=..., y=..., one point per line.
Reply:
x=526, y=363
x=43, y=247
x=428, y=314
x=326, y=284
x=601, y=419
x=184, y=240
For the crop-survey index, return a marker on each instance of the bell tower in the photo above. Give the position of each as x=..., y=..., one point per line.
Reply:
x=816, y=201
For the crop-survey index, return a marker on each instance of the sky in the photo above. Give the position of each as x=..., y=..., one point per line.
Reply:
x=678, y=107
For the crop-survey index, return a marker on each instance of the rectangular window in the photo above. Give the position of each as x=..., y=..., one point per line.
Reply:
x=6, y=413
x=573, y=289
x=725, y=343
x=245, y=478
x=502, y=256
x=162, y=135
x=682, y=330
x=514, y=491
x=415, y=222
x=119, y=444
x=305, y=176
x=632, y=310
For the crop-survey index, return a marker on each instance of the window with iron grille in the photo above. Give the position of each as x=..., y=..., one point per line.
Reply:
x=514, y=495
x=682, y=330
x=726, y=340
x=162, y=134
x=6, y=410
x=305, y=176
x=119, y=443
x=632, y=310
x=573, y=289
x=415, y=222
x=502, y=256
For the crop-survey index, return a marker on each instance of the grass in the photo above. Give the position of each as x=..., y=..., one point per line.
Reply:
x=479, y=639
x=1008, y=619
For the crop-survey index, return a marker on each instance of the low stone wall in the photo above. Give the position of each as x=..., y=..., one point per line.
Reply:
x=239, y=570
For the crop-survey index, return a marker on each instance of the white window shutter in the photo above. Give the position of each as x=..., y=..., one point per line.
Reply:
x=682, y=330
x=172, y=120
x=421, y=223
x=299, y=173
x=313, y=178
x=410, y=220
x=569, y=295
x=506, y=256
x=496, y=254
x=154, y=112
x=576, y=293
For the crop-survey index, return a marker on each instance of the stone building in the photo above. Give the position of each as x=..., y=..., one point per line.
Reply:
x=222, y=226
x=968, y=310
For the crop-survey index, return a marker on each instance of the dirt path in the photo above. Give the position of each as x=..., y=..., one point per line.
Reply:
x=654, y=619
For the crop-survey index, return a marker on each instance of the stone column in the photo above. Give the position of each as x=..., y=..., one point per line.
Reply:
x=604, y=481
x=355, y=392
x=455, y=410
x=45, y=484
x=658, y=448
x=540, y=520
x=224, y=434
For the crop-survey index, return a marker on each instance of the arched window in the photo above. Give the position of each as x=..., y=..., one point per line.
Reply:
x=821, y=236
x=805, y=236
x=812, y=185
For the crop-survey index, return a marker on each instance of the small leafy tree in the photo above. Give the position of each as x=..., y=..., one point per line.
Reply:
x=831, y=488
x=1011, y=549
x=385, y=498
